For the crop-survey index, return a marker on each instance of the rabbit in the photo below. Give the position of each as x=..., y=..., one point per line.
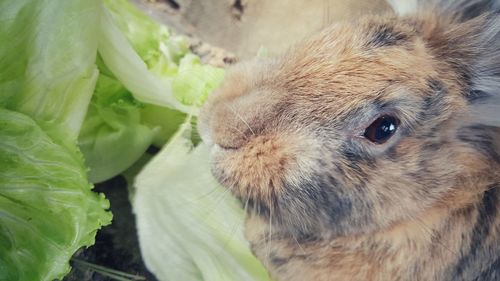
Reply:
x=371, y=149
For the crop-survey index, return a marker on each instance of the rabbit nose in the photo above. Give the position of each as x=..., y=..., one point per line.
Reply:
x=237, y=121
x=231, y=126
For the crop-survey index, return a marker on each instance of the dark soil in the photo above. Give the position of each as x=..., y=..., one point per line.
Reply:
x=116, y=246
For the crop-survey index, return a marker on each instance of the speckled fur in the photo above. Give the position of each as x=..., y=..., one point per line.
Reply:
x=325, y=203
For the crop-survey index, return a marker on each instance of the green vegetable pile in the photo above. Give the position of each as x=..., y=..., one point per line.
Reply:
x=86, y=86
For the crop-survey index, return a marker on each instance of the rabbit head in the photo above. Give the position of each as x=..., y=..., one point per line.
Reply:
x=362, y=125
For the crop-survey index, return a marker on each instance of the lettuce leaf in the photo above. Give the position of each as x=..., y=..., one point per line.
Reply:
x=128, y=67
x=113, y=137
x=47, y=77
x=47, y=210
x=160, y=50
x=166, y=120
x=148, y=81
x=195, y=81
x=155, y=66
x=189, y=227
x=48, y=60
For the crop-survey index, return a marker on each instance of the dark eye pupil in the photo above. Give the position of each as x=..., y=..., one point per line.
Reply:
x=382, y=129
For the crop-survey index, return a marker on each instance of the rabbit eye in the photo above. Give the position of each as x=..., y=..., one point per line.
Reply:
x=382, y=129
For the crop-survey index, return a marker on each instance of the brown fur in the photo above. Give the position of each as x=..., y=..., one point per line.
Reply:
x=326, y=203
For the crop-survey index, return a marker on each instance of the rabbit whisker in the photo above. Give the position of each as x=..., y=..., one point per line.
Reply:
x=326, y=13
x=269, y=245
x=217, y=200
x=240, y=131
x=431, y=233
x=292, y=234
x=239, y=117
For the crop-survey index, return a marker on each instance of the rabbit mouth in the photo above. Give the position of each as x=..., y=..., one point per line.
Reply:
x=260, y=172
x=256, y=169
x=219, y=147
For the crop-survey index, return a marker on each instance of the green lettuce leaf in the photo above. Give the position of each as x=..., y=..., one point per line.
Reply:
x=166, y=120
x=47, y=77
x=47, y=210
x=144, y=73
x=160, y=50
x=48, y=51
x=113, y=137
x=129, y=68
x=155, y=66
x=195, y=81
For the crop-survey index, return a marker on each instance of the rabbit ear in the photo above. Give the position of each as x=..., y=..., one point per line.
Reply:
x=484, y=88
x=487, y=114
x=472, y=49
x=471, y=45
x=464, y=9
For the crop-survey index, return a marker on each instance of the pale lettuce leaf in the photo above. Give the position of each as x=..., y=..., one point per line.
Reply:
x=189, y=227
